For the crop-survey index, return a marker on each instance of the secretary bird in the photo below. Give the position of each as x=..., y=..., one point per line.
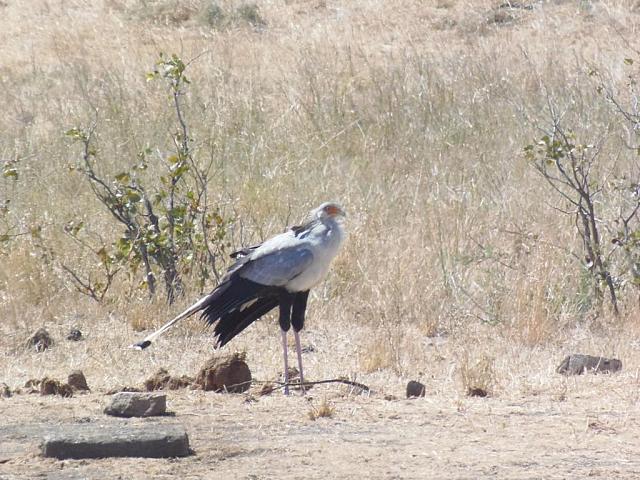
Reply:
x=276, y=273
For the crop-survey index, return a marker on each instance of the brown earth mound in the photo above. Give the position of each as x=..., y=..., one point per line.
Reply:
x=161, y=380
x=225, y=374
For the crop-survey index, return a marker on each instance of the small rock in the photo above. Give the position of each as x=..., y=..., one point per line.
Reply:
x=577, y=364
x=477, y=392
x=115, y=390
x=225, y=374
x=87, y=440
x=49, y=386
x=77, y=381
x=134, y=404
x=161, y=380
x=5, y=391
x=415, y=389
x=74, y=335
x=41, y=340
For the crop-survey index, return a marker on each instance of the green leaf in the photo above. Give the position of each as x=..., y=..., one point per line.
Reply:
x=10, y=172
x=124, y=246
x=123, y=177
x=177, y=212
x=76, y=134
x=180, y=170
x=628, y=61
x=133, y=196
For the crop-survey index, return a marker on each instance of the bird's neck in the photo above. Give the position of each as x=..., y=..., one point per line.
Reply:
x=334, y=229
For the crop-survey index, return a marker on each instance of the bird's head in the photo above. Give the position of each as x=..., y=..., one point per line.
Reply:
x=328, y=210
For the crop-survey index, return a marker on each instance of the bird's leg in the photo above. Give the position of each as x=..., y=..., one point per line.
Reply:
x=299, y=352
x=285, y=324
x=297, y=320
x=286, y=363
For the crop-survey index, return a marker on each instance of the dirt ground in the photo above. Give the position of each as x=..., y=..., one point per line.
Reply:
x=534, y=424
x=567, y=434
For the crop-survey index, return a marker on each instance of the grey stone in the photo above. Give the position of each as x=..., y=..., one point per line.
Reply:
x=134, y=404
x=101, y=441
x=577, y=364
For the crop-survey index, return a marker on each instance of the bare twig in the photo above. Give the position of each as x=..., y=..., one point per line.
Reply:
x=344, y=381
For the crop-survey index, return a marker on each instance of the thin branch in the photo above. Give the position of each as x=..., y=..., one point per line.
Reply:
x=81, y=285
x=317, y=382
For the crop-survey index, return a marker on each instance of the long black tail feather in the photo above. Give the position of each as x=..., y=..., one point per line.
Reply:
x=232, y=306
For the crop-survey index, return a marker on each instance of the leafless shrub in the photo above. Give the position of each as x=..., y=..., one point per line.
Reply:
x=478, y=377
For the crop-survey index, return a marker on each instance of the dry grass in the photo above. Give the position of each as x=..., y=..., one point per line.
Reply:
x=413, y=114
x=478, y=377
x=323, y=410
x=416, y=129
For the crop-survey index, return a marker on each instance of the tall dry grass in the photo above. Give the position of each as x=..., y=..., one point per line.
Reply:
x=412, y=114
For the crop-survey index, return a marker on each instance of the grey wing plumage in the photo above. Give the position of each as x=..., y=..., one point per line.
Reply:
x=278, y=267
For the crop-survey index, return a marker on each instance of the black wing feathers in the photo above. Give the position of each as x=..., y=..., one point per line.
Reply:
x=234, y=322
x=229, y=309
x=231, y=295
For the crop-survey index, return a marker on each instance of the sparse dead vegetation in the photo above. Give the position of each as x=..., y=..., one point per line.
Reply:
x=477, y=376
x=414, y=115
x=323, y=410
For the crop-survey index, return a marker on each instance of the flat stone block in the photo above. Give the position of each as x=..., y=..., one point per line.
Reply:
x=100, y=441
x=577, y=364
x=134, y=404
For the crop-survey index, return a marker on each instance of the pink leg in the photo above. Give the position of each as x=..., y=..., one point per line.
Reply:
x=299, y=352
x=286, y=362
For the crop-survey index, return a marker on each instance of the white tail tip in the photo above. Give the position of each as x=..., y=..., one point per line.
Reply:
x=141, y=345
